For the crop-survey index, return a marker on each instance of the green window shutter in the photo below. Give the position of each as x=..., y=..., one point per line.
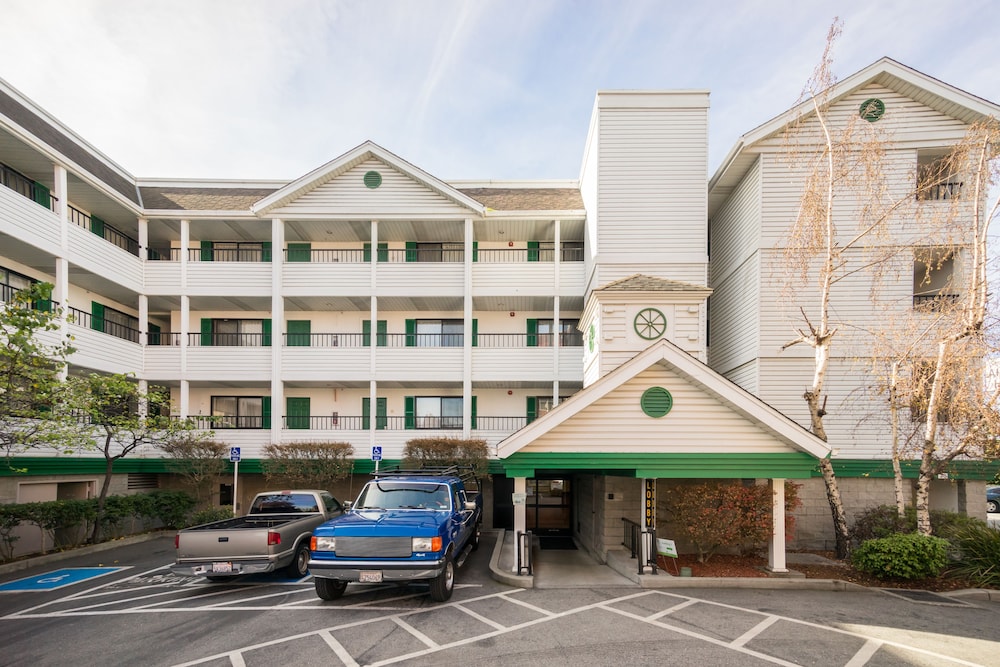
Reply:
x=265, y=411
x=366, y=333
x=96, y=316
x=532, y=251
x=97, y=226
x=411, y=251
x=299, y=252
x=206, y=331
x=532, y=332
x=409, y=412
x=41, y=195
x=532, y=409
x=206, y=251
x=383, y=252
x=366, y=411
x=297, y=411
x=265, y=338
x=299, y=333
x=411, y=333
x=368, y=252
x=266, y=251
x=474, y=425
x=381, y=420
x=475, y=332
x=475, y=251
x=154, y=335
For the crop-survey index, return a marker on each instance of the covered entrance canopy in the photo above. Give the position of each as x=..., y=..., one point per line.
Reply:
x=664, y=414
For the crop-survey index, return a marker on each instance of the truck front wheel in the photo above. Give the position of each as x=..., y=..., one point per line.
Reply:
x=330, y=589
x=443, y=584
x=299, y=567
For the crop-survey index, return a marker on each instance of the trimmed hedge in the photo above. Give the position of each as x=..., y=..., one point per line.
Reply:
x=902, y=556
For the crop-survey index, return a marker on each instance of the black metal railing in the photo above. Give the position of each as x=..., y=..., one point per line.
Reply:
x=19, y=183
x=641, y=544
x=523, y=542
x=163, y=254
x=527, y=255
x=326, y=255
x=364, y=423
x=934, y=302
x=163, y=338
x=941, y=191
x=103, y=325
x=347, y=340
x=229, y=339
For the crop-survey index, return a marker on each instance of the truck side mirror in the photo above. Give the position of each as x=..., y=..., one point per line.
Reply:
x=470, y=506
x=346, y=504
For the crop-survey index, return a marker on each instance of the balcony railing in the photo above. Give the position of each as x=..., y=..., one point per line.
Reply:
x=941, y=192
x=493, y=341
x=163, y=338
x=524, y=255
x=359, y=256
x=359, y=423
x=934, y=302
x=88, y=321
x=229, y=339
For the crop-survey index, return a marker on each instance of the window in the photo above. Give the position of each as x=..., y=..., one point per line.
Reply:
x=437, y=252
x=933, y=278
x=439, y=411
x=922, y=379
x=572, y=251
x=237, y=333
x=439, y=333
x=936, y=179
x=540, y=405
x=241, y=412
x=238, y=251
x=11, y=282
x=569, y=335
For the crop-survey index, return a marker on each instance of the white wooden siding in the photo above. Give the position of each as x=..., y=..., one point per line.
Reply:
x=161, y=362
x=419, y=364
x=697, y=423
x=735, y=228
x=734, y=314
x=321, y=279
x=23, y=219
x=746, y=376
x=423, y=279
x=347, y=194
x=229, y=278
x=161, y=278
x=652, y=171
x=328, y=364
x=221, y=364
x=93, y=253
x=534, y=364
x=98, y=351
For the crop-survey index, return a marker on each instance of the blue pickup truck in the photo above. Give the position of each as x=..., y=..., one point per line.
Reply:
x=406, y=525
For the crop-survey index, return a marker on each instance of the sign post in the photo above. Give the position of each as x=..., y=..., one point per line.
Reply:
x=376, y=455
x=234, y=458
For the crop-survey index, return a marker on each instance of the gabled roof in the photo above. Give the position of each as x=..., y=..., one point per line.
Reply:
x=905, y=80
x=350, y=159
x=741, y=402
x=641, y=283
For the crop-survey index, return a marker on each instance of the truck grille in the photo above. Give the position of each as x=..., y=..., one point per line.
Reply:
x=374, y=547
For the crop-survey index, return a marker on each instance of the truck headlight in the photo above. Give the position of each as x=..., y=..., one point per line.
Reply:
x=426, y=544
x=324, y=543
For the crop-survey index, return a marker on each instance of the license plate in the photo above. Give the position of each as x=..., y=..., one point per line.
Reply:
x=370, y=577
x=222, y=567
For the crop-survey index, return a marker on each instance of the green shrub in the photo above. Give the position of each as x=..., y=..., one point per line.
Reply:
x=883, y=521
x=210, y=515
x=170, y=508
x=9, y=520
x=978, y=547
x=902, y=556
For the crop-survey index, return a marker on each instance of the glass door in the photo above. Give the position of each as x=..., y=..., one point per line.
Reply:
x=549, y=506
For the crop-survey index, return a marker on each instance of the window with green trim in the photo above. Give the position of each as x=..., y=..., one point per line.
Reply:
x=235, y=332
x=437, y=412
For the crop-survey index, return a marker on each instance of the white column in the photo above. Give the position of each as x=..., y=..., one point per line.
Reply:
x=185, y=399
x=556, y=259
x=776, y=547
x=373, y=341
x=143, y=238
x=185, y=330
x=467, y=335
x=185, y=244
x=144, y=401
x=143, y=318
x=62, y=205
x=277, y=327
x=520, y=513
x=60, y=294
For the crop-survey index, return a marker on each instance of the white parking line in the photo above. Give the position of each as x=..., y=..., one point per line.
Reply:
x=865, y=653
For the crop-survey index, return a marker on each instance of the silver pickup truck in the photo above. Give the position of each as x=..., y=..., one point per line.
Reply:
x=274, y=535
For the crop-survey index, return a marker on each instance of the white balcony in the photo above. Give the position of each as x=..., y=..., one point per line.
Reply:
x=323, y=364
x=23, y=219
x=527, y=364
x=229, y=278
x=228, y=364
x=99, y=351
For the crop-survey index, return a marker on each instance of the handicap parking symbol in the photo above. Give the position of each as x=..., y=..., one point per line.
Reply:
x=50, y=581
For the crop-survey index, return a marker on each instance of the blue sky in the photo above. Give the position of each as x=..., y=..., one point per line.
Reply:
x=463, y=89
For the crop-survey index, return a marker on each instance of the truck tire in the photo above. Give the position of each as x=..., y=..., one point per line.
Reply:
x=474, y=540
x=330, y=589
x=299, y=567
x=443, y=584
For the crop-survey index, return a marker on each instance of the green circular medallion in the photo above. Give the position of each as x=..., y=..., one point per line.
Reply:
x=872, y=109
x=650, y=323
x=656, y=402
x=373, y=179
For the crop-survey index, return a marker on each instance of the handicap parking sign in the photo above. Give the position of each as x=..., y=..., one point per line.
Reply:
x=376, y=453
x=234, y=454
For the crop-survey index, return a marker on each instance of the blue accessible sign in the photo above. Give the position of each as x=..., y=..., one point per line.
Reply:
x=234, y=454
x=57, y=579
x=376, y=453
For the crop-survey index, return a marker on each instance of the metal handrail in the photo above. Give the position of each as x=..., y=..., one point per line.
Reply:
x=522, y=555
x=641, y=544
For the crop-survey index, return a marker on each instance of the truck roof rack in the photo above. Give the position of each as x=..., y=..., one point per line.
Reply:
x=463, y=472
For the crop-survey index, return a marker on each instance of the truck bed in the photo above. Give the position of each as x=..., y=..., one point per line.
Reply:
x=250, y=521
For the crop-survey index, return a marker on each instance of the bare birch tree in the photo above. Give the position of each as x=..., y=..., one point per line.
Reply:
x=844, y=167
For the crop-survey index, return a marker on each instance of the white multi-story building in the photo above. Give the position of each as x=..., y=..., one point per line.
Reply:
x=564, y=322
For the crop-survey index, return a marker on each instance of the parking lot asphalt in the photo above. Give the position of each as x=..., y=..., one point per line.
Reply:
x=134, y=611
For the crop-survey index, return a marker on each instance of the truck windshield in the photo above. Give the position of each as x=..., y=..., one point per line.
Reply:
x=403, y=495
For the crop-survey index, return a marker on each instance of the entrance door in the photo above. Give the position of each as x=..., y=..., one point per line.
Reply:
x=549, y=506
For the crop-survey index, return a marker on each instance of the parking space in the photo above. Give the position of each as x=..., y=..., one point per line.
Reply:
x=158, y=618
